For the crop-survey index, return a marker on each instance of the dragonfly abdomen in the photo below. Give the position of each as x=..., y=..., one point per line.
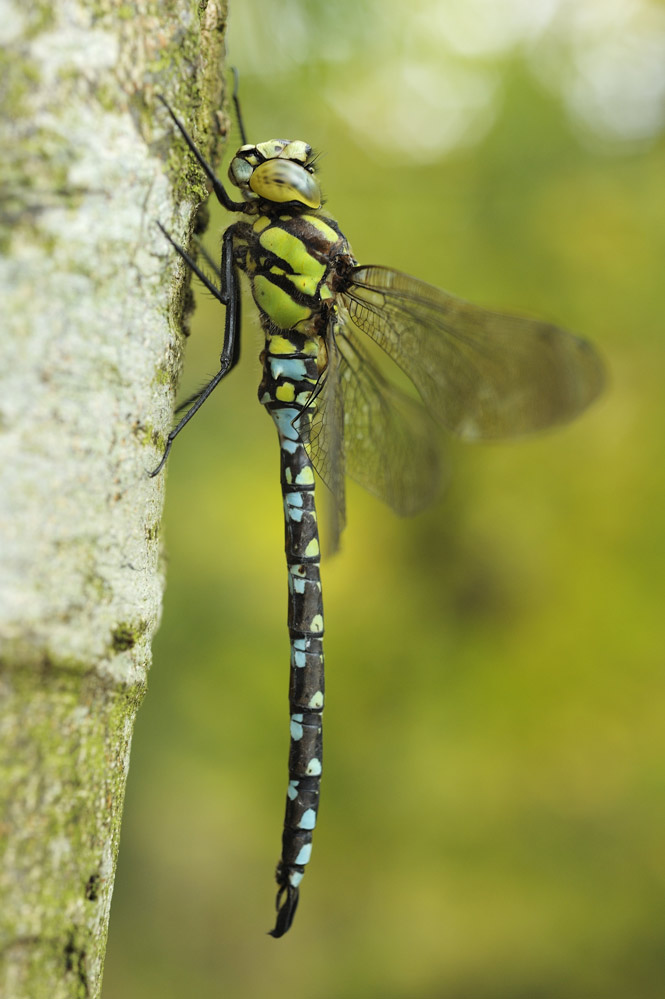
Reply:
x=290, y=376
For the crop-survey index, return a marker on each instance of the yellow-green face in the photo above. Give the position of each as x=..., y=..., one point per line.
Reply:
x=277, y=171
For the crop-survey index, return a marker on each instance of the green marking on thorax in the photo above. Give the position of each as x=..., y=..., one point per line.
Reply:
x=292, y=251
x=322, y=227
x=278, y=304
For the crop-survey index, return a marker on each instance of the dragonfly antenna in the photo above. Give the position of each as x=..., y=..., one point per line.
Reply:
x=236, y=104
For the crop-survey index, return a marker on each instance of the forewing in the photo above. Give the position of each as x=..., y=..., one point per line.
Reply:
x=481, y=374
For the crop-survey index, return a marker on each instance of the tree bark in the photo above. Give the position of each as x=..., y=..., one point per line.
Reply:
x=91, y=350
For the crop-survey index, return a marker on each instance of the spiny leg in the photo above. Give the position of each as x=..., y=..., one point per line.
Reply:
x=220, y=191
x=228, y=294
x=218, y=293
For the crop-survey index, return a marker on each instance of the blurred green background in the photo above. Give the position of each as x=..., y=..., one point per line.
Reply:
x=493, y=807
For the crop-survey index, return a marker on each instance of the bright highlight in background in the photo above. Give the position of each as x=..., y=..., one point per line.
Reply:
x=428, y=82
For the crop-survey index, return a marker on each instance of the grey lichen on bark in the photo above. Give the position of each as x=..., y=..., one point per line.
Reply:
x=91, y=347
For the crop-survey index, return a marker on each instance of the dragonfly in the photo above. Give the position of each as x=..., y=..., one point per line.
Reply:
x=479, y=374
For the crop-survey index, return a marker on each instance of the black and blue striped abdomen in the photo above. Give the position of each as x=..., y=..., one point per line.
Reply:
x=291, y=372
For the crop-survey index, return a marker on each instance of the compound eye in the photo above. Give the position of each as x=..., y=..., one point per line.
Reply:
x=297, y=150
x=240, y=171
x=281, y=180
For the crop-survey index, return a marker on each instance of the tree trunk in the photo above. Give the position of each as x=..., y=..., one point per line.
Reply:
x=91, y=352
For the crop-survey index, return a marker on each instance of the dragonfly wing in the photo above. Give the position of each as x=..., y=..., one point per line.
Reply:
x=324, y=439
x=481, y=374
x=389, y=441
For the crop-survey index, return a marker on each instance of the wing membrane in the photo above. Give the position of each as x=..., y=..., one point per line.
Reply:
x=367, y=426
x=324, y=440
x=481, y=374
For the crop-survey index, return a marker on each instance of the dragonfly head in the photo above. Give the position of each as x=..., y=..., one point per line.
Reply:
x=278, y=171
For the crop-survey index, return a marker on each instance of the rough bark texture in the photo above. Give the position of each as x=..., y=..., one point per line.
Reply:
x=90, y=354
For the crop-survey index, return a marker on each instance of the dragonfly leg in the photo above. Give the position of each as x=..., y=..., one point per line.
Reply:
x=220, y=191
x=229, y=295
x=218, y=293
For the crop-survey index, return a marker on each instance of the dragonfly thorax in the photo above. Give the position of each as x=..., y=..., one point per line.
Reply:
x=278, y=172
